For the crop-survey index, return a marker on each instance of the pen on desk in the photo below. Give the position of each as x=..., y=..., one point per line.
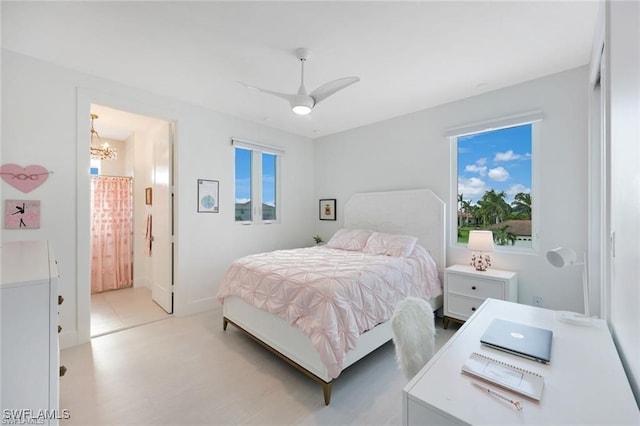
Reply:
x=491, y=392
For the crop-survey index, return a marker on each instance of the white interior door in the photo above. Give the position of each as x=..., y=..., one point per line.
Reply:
x=162, y=253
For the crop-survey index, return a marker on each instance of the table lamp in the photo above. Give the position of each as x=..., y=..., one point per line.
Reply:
x=481, y=243
x=561, y=257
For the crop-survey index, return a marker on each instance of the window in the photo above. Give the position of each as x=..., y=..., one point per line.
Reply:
x=256, y=178
x=494, y=183
x=268, y=186
x=243, y=184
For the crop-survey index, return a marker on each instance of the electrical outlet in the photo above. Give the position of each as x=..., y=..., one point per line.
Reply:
x=537, y=301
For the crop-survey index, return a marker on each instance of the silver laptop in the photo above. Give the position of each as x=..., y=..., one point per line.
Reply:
x=519, y=339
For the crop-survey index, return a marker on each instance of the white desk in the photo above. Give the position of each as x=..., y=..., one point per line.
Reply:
x=584, y=382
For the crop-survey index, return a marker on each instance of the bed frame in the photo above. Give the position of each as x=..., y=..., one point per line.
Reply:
x=411, y=212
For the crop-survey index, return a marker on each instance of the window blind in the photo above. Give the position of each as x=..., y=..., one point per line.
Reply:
x=500, y=123
x=255, y=146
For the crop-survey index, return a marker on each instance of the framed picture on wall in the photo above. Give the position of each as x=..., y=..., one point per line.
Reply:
x=22, y=214
x=328, y=209
x=148, y=196
x=208, y=196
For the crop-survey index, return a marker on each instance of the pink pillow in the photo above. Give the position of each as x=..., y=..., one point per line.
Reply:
x=390, y=244
x=349, y=239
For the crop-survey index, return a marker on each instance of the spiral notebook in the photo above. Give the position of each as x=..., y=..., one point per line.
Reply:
x=503, y=374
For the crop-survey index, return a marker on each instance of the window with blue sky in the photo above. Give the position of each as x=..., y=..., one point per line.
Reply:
x=268, y=186
x=494, y=173
x=256, y=185
x=243, y=185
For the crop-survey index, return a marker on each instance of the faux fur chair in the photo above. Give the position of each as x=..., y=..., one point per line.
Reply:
x=413, y=334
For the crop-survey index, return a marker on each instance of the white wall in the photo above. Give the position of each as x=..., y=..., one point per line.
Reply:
x=622, y=85
x=411, y=152
x=206, y=243
x=143, y=170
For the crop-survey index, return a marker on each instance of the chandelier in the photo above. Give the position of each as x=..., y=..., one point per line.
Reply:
x=100, y=150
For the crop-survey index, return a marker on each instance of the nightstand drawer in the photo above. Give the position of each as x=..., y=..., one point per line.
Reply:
x=462, y=307
x=475, y=287
x=465, y=289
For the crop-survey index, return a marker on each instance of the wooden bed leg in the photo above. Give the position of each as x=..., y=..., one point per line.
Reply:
x=225, y=322
x=326, y=390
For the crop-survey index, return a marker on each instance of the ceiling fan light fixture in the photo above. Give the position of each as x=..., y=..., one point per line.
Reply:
x=302, y=105
x=303, y=102
x=301, y=109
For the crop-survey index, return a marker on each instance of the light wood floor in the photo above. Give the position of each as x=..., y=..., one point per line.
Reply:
x=121, y=309
x=187, y=371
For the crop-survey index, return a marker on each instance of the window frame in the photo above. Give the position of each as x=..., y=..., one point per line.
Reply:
x=535, y=120
x=256, y=180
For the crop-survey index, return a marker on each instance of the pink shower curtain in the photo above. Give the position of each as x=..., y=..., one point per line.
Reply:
x=111, y=233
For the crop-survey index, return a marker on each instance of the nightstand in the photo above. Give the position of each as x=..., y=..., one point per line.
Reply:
x=465, y=289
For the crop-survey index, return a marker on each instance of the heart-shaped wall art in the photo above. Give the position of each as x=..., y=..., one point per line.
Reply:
x=26, y=179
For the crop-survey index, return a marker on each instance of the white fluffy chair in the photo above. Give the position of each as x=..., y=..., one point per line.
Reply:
x=413, y=334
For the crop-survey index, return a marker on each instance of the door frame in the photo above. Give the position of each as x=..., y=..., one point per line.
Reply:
x=84, y=99
x=162, y=294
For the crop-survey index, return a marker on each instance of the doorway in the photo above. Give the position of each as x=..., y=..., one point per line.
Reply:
x=131, y=218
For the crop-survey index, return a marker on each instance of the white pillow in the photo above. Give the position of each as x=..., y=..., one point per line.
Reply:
x=349, y=239
x=390, y=244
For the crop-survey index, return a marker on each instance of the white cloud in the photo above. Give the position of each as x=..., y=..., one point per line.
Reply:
x=473, y=168
x=506, y=156
x=472, y=187
x=479, y=167
x=499, y=174
x=515, y=189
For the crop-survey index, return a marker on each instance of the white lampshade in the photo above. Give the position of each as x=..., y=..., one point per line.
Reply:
x=480, y=241
x=561, y=257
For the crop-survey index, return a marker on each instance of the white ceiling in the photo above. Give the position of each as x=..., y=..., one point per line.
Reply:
x=408, y=55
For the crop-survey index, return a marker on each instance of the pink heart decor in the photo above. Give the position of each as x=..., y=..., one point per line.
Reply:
x=26, y=179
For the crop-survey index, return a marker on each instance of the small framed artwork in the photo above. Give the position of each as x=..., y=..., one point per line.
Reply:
x=328, y=209
x=148, y=196
x=208, y=196
x=22, y=214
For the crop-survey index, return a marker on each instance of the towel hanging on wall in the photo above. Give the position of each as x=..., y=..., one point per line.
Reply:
x=148, y=236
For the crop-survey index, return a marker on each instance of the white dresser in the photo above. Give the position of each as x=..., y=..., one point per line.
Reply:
x=583, y=384
x=29, y=331
x=465, y=289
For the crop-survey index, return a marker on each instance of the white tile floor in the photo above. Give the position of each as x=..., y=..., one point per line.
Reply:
x=121, y=309
x=188, y=371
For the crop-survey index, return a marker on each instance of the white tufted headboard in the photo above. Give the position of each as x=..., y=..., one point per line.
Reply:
x=417, y=212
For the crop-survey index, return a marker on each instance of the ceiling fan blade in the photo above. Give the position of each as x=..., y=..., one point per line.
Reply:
x=284, y=96
x=332, y=87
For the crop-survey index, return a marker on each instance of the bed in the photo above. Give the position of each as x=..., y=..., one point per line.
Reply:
x=419, y=214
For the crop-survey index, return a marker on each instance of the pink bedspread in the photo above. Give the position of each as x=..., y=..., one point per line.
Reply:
x=332, y=295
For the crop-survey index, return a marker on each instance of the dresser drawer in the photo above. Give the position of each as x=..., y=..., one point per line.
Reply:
x=462, y=307
x=475, y=287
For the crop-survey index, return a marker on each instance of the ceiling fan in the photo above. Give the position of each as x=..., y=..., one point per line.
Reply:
x=303, y=102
